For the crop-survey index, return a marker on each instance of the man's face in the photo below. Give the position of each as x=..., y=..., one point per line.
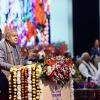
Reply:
x=97, y=43
x=87, y=58
x=13, y=37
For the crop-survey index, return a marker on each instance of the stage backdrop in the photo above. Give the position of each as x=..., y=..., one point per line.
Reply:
x=61, y=22
x=36, y=23
x=29, y=17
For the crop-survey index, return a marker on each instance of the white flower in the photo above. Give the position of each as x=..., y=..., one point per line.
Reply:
x=72, y=71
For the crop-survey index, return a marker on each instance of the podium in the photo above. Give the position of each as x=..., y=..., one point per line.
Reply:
x=48, y=94
x=25, y=84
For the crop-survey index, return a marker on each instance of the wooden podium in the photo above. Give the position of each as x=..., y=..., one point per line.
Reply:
x=26, y=84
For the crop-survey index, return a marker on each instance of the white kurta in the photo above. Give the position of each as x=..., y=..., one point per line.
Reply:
x=84, y=67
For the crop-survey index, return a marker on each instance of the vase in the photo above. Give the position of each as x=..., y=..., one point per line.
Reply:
x=56, y=92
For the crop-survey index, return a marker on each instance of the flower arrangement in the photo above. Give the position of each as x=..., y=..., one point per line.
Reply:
x=90, y=85
x=55, y=49
x=78, y=79
x=58, y=69
x=57, y=66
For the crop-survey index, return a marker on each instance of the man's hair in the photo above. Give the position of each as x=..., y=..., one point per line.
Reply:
x=83, y=55
x=8, y=33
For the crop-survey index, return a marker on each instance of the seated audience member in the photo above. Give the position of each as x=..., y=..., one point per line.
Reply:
x=95, y=51
x=87, y=69
x=9, y=56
